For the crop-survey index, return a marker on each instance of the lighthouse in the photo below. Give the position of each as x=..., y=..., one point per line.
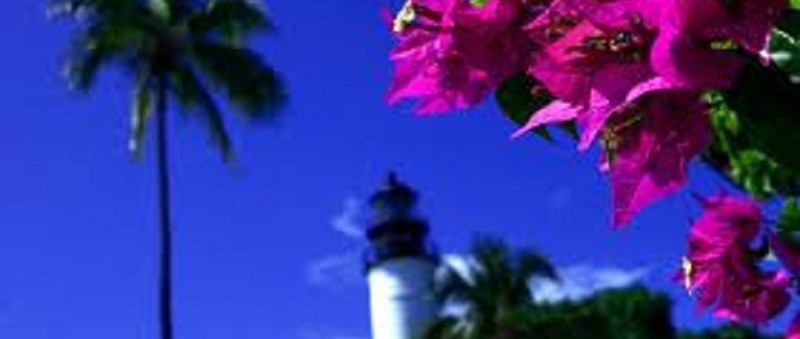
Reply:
x=400, y=265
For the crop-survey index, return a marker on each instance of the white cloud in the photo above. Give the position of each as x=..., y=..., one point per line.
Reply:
x=347, y=221
x=336, y=270
x=462, y=264
x=576, y=282
x=582, y=281
x=342, y=269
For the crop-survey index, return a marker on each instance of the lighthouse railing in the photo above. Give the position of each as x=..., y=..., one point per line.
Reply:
x=373, y=256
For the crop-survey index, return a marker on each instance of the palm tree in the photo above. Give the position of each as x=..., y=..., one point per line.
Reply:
x=489, y=295
x=173, y=49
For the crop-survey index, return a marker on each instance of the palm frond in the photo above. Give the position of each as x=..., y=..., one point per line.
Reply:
x=142, y=108
x=83, y=8
x=495, y=273
x=181, y=10
x=492, y=255
x=232, y=20
x=531, y=264
x=97, y=45
x=107, y=30
x=250, y=84
x=442, y=328
x=178, y=41
x=195, y=97
x=83, y=64
x=452, y=286
x=497, y=287
x=98, y=10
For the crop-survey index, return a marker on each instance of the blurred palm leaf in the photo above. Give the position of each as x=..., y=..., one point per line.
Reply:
x=191, y=44
x=494, y=288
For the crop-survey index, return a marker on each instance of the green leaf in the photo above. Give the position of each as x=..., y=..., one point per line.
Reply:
x=789, y=221
x=161, y=8
x=766, y=103
x=142, y=109
x=520, y=96
x=195, y=98
x=250, y=84
x=231, y=19
x=795, y=4
x=785, y=46
x=789, y=22
x=80, y=8
x=108, y=32
x=735, y=156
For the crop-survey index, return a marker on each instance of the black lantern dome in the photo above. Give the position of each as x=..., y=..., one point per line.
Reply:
x=396, y=231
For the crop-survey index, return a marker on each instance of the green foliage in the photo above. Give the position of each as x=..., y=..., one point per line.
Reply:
x=521, y=96
x=233, y=20
x=789, y=221
x=635, y=313
x=785, y=45
x=249, y=83
x=756, y=122
x=498, y=304
x=630, y=313
x=766, y=99
x=142, y=108
x=180, y=47
x=478, y=3
x=496, y=287
x=734, y=154
x=768, y=107
x=196, y=99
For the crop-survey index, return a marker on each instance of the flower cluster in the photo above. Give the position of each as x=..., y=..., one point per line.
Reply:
x=722, y=268
x=630, y=73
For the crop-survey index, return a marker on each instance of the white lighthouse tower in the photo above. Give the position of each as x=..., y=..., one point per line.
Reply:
x=400, y=265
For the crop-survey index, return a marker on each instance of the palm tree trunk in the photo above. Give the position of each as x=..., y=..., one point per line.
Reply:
x=165, y=255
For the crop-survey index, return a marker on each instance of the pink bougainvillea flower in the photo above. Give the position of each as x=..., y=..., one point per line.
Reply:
x=583, y=38
x=787, y=253
x=691, y=48
x=426, y=64
x=556, y=112
x=727, y=220
x=689, y=64
x=751, y=21
x=599, y=70
x=600, y=54
x=648, y=143
x=594, y=56
x=721, y=268
x=648, y=147
x=603, y=60
x=684, y=51
x=452, y=54
x=755, y=300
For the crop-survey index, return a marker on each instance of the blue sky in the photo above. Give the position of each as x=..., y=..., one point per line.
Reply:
x=77, y=218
